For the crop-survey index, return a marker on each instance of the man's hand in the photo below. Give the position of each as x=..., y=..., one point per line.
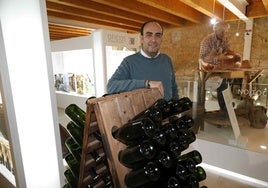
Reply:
x=157, y=84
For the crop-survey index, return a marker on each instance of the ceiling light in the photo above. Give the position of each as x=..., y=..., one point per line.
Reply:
x=263, y=147
x=237, y=30
x=213, y=21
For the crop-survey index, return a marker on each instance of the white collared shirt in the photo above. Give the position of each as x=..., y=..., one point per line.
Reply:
x=145, y=55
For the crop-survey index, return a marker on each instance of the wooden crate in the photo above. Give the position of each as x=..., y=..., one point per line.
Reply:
x=109, y=111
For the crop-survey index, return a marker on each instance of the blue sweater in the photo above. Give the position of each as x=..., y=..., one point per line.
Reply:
x=135, y=69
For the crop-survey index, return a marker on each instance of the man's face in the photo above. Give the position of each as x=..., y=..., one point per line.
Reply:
x=151, y=38
x=222, y=33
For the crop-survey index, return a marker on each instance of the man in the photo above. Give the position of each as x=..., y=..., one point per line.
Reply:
x=215, y=52
x=148, y=68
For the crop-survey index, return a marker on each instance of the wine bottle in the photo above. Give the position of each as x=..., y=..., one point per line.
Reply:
x=188, y=120
x=179, y=105
x=190, y=182
x=200, y=173
x=97, y=157
x=195, y=155
x=181, y=172
x=149, y=173
x=133, y=132
x=104, y=182
x=97, y=135
x=155, y=114
x=71, y=179
x=76, y=114
x=178, y=123
x=176, y=147
x=67, y=185
x=165, y=181
x=188, y=135
x=76, y=132
x=134, y=155
x=74, y=148
x=189, y=164
x=94, y=175
x=163, y=105
x=159, y=138
x=73, y=164
x=164, y=159
x=183, y=123
x=173, y=182
x=170, y=131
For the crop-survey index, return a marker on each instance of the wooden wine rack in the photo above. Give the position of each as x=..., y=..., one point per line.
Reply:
x=102, y=114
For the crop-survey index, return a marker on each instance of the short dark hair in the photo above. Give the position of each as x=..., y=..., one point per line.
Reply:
x=150, y=21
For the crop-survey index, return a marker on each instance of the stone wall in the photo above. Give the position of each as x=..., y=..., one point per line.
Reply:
x=183, y=44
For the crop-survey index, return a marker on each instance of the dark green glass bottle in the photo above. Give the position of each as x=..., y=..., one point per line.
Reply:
x=176, y=147
x=188, y=120
x=155, y=114
x=97, y=157
x=74, y=148
x=71, y=179
x=67, y=186
x=164, y=159
x=195, y=155
x=149, y=173
x=179, y=105
x=133, y=132
x=173, y=182
x=189, y=164
x=200, y=173
x=170, y=131
x=178, y=123
x=76, y=114
x=159, y=138
x=103, y=182
x=183, y=123
x=181, y=172
x=188, y=135
x=190, y=182
x=76, y=132
x=73, y=164
x=163, y=105
x=133, y=155
x=94, y=175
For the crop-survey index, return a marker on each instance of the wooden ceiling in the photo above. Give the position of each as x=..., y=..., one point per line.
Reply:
x=72, y=18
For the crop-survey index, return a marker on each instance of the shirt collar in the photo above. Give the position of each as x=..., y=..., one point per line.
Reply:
x=145, y=55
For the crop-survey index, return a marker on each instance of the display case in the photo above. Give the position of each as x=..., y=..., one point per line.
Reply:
x=7, y=176
x=83, y=65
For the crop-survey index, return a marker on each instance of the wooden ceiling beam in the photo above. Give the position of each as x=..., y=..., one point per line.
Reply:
x=55, y=7
x=177, y=8
x=144, y=10
x=102, y=24
x=107, y=10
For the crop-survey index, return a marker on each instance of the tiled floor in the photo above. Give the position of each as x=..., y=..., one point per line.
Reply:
x=216, y=180
x=253, y=139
